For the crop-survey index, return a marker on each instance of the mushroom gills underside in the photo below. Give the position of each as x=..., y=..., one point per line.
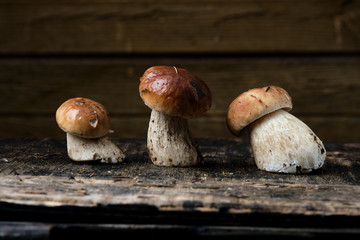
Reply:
x=283, y=143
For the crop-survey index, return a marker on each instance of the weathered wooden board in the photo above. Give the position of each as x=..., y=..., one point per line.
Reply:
x=324, y=89
x=171, y=194
x=43, y=193
x=123, y=26
x=228, y=175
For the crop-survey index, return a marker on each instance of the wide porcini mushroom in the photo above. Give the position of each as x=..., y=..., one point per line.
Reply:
x=174, y=95
x=86, y=124
x=280, y=141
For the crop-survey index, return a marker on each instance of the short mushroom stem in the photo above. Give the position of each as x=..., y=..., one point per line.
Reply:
x=170, y=142
x=89, y=149
x=283, y=143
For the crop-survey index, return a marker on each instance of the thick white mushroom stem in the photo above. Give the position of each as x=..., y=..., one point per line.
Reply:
x=170, y=142
x=283, y=143
x=90, y=149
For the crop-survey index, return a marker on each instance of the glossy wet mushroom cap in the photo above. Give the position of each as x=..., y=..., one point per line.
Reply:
x=174, y=92
x=83, y=117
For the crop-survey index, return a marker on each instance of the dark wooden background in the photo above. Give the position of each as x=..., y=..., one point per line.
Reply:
x=54, y=50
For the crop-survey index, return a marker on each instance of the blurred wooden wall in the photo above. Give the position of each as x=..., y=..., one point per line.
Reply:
x=54, y=50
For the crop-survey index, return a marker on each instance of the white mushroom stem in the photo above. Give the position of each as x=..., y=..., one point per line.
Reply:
x=170, y=142
x=283, y=143
x=89, y=149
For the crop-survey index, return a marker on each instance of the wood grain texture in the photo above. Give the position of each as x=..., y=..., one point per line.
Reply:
x=140, y=26
x=39, y=173
x=46, y=230
x=324, y=90
x=316, y=84
x=173, y=195
x=328, y=129
x=43, y=194
x=54, y=50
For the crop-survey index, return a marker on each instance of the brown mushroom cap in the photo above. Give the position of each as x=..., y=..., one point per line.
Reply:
x=254, y=104
x=174, y=92
x=83, y=117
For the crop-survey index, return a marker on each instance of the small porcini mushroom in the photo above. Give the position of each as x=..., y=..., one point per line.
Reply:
x=86, y=124
x=174, y=95
x=280, y=141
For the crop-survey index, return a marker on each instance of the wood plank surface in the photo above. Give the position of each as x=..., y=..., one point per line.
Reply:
x=37, y=172
x=43, y=192
x=122, y=26
x=324, y=90
x=228, y=165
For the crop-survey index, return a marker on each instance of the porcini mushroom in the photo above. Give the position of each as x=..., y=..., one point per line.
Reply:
x=174, y=95
x=280, y=141
x=87, y=124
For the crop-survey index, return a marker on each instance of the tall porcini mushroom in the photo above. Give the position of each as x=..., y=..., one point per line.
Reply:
x=86, y=124
x=280, y=141
x=174, y=95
